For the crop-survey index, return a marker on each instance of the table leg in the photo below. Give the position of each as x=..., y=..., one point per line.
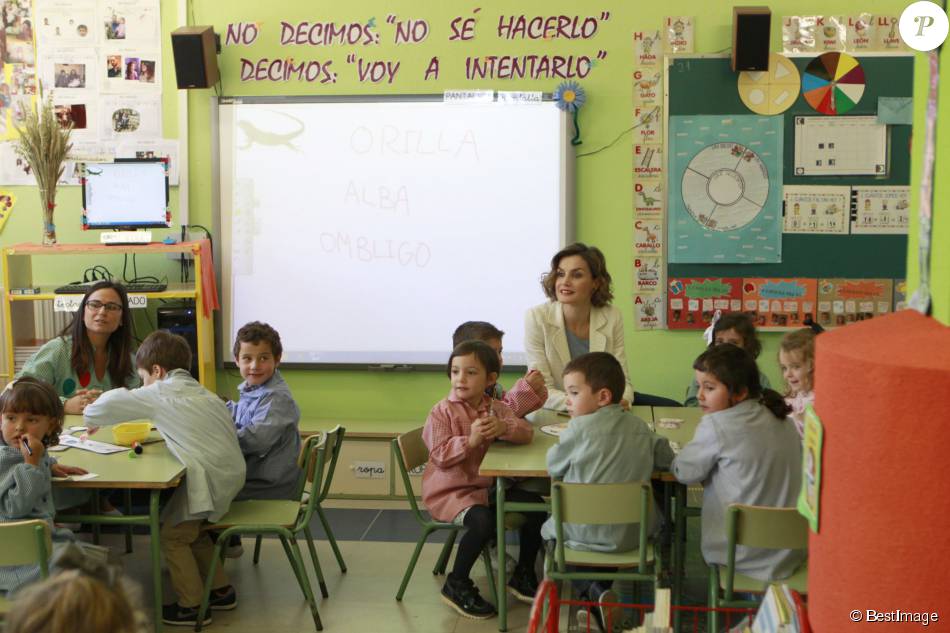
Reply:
x=679, y=542
x=128, y=528
x=154, y=529
x=502, y=584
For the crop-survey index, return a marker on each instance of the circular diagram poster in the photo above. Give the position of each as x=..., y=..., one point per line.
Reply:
x=725, y=189
x=773, y=91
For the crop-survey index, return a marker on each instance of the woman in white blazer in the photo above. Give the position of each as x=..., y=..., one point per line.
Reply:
x=577, y=319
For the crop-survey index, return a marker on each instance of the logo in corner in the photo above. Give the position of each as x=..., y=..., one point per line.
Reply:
x=924, y=25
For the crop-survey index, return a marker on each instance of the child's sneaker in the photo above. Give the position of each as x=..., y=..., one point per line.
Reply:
x=223, y=599
x=183, y=616
x=462, y=595
x=523, y=584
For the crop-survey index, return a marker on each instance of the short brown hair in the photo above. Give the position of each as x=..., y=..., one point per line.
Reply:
x=601, y=370
x=598, y=270
x=476, y=331
x=255, y=332
x=744, y=326
x=485, y=355
x=168, y=351
x=29, y=395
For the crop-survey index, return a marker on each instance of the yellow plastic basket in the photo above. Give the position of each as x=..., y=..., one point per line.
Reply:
x=129, y=432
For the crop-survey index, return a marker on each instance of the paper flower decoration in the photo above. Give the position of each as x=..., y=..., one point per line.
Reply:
x=570, y=97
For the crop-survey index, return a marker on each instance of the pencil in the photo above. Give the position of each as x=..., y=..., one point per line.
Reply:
x=26, y=443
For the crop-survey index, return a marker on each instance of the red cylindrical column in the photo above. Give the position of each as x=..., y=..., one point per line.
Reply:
x=882, y=391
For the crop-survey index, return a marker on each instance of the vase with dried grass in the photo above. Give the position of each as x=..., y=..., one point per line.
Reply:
x=44, y=144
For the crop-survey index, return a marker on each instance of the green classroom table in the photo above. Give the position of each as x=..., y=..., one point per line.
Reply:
x=156, y=469
x=529, y=460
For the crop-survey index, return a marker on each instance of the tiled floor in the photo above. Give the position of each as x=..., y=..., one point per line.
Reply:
x=376, y=545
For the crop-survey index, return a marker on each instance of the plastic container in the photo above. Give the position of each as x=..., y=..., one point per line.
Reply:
x=129, y=432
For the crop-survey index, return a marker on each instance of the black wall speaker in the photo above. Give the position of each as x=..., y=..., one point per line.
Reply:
x=196, y=60
x=751, y=29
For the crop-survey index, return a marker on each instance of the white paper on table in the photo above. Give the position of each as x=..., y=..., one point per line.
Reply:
x=93, y=446
x=131, y=22
x=77, y=477
x=817, y=209
x=69, y=73
x=130, y=70
x=884, y=209
x=840, y=146
x=127, y=117
x=66, y=22
x=160, y=148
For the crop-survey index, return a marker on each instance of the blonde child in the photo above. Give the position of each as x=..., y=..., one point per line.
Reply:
x=199, y=432
x=74, y=602
x=528, y=393
x=32, y=419
x=458, y=432
x=737, y=328
x=744, y=451
x=796, y=358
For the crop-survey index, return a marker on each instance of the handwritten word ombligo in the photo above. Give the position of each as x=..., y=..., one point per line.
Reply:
x=392, y=140
x=368, y=250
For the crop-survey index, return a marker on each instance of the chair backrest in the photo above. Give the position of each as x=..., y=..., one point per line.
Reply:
x=409, y=452
x=761, y=526
x=333, y=445
x=313, y=469
x=26, y=543
x=601, y=504
x=770, y=528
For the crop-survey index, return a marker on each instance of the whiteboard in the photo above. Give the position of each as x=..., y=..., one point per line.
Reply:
x=366, y=231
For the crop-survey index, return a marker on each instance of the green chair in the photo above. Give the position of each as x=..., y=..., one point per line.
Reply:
x=410, y=452
x=283, y=518
x=24, y=543
x=603, y=504
x=335, y=442
x=756, y=526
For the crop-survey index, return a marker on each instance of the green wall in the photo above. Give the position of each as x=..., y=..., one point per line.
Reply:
x=659, y=361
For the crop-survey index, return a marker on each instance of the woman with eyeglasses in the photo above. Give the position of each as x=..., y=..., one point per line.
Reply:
x=93, y=353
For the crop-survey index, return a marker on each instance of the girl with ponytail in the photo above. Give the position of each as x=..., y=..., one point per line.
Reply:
x=744, y=451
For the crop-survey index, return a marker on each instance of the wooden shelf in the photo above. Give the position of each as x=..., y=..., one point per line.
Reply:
x=173, y=291
x=95, y=249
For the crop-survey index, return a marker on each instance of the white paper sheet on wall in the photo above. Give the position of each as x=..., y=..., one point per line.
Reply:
x=128, y=117
x=840, y=146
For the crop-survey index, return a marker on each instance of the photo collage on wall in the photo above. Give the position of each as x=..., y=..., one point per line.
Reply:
x=100, y=61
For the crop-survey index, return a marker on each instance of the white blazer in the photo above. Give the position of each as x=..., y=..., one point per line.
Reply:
x=546, y=346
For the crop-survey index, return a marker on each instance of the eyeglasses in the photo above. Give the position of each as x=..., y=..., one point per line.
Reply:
x=96, y=305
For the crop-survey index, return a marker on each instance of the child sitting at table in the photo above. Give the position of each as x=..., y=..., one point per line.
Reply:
x=458, y=432
x=737, y=328
x=528, y=393
x=602, y=444
x=744, y=451
x=265, y=415
x=267, y=420
x=198, y=431
x=32, y=419
x=796, y=358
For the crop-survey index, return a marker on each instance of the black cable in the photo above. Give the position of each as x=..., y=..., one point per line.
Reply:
x=654, y=112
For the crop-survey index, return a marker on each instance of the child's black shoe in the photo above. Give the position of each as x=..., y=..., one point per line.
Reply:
x=183, y=616
x=523, y=584
x=462, y=595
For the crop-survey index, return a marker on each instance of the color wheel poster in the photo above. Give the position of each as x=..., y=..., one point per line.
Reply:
x=833, y=83
x=725, y=189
